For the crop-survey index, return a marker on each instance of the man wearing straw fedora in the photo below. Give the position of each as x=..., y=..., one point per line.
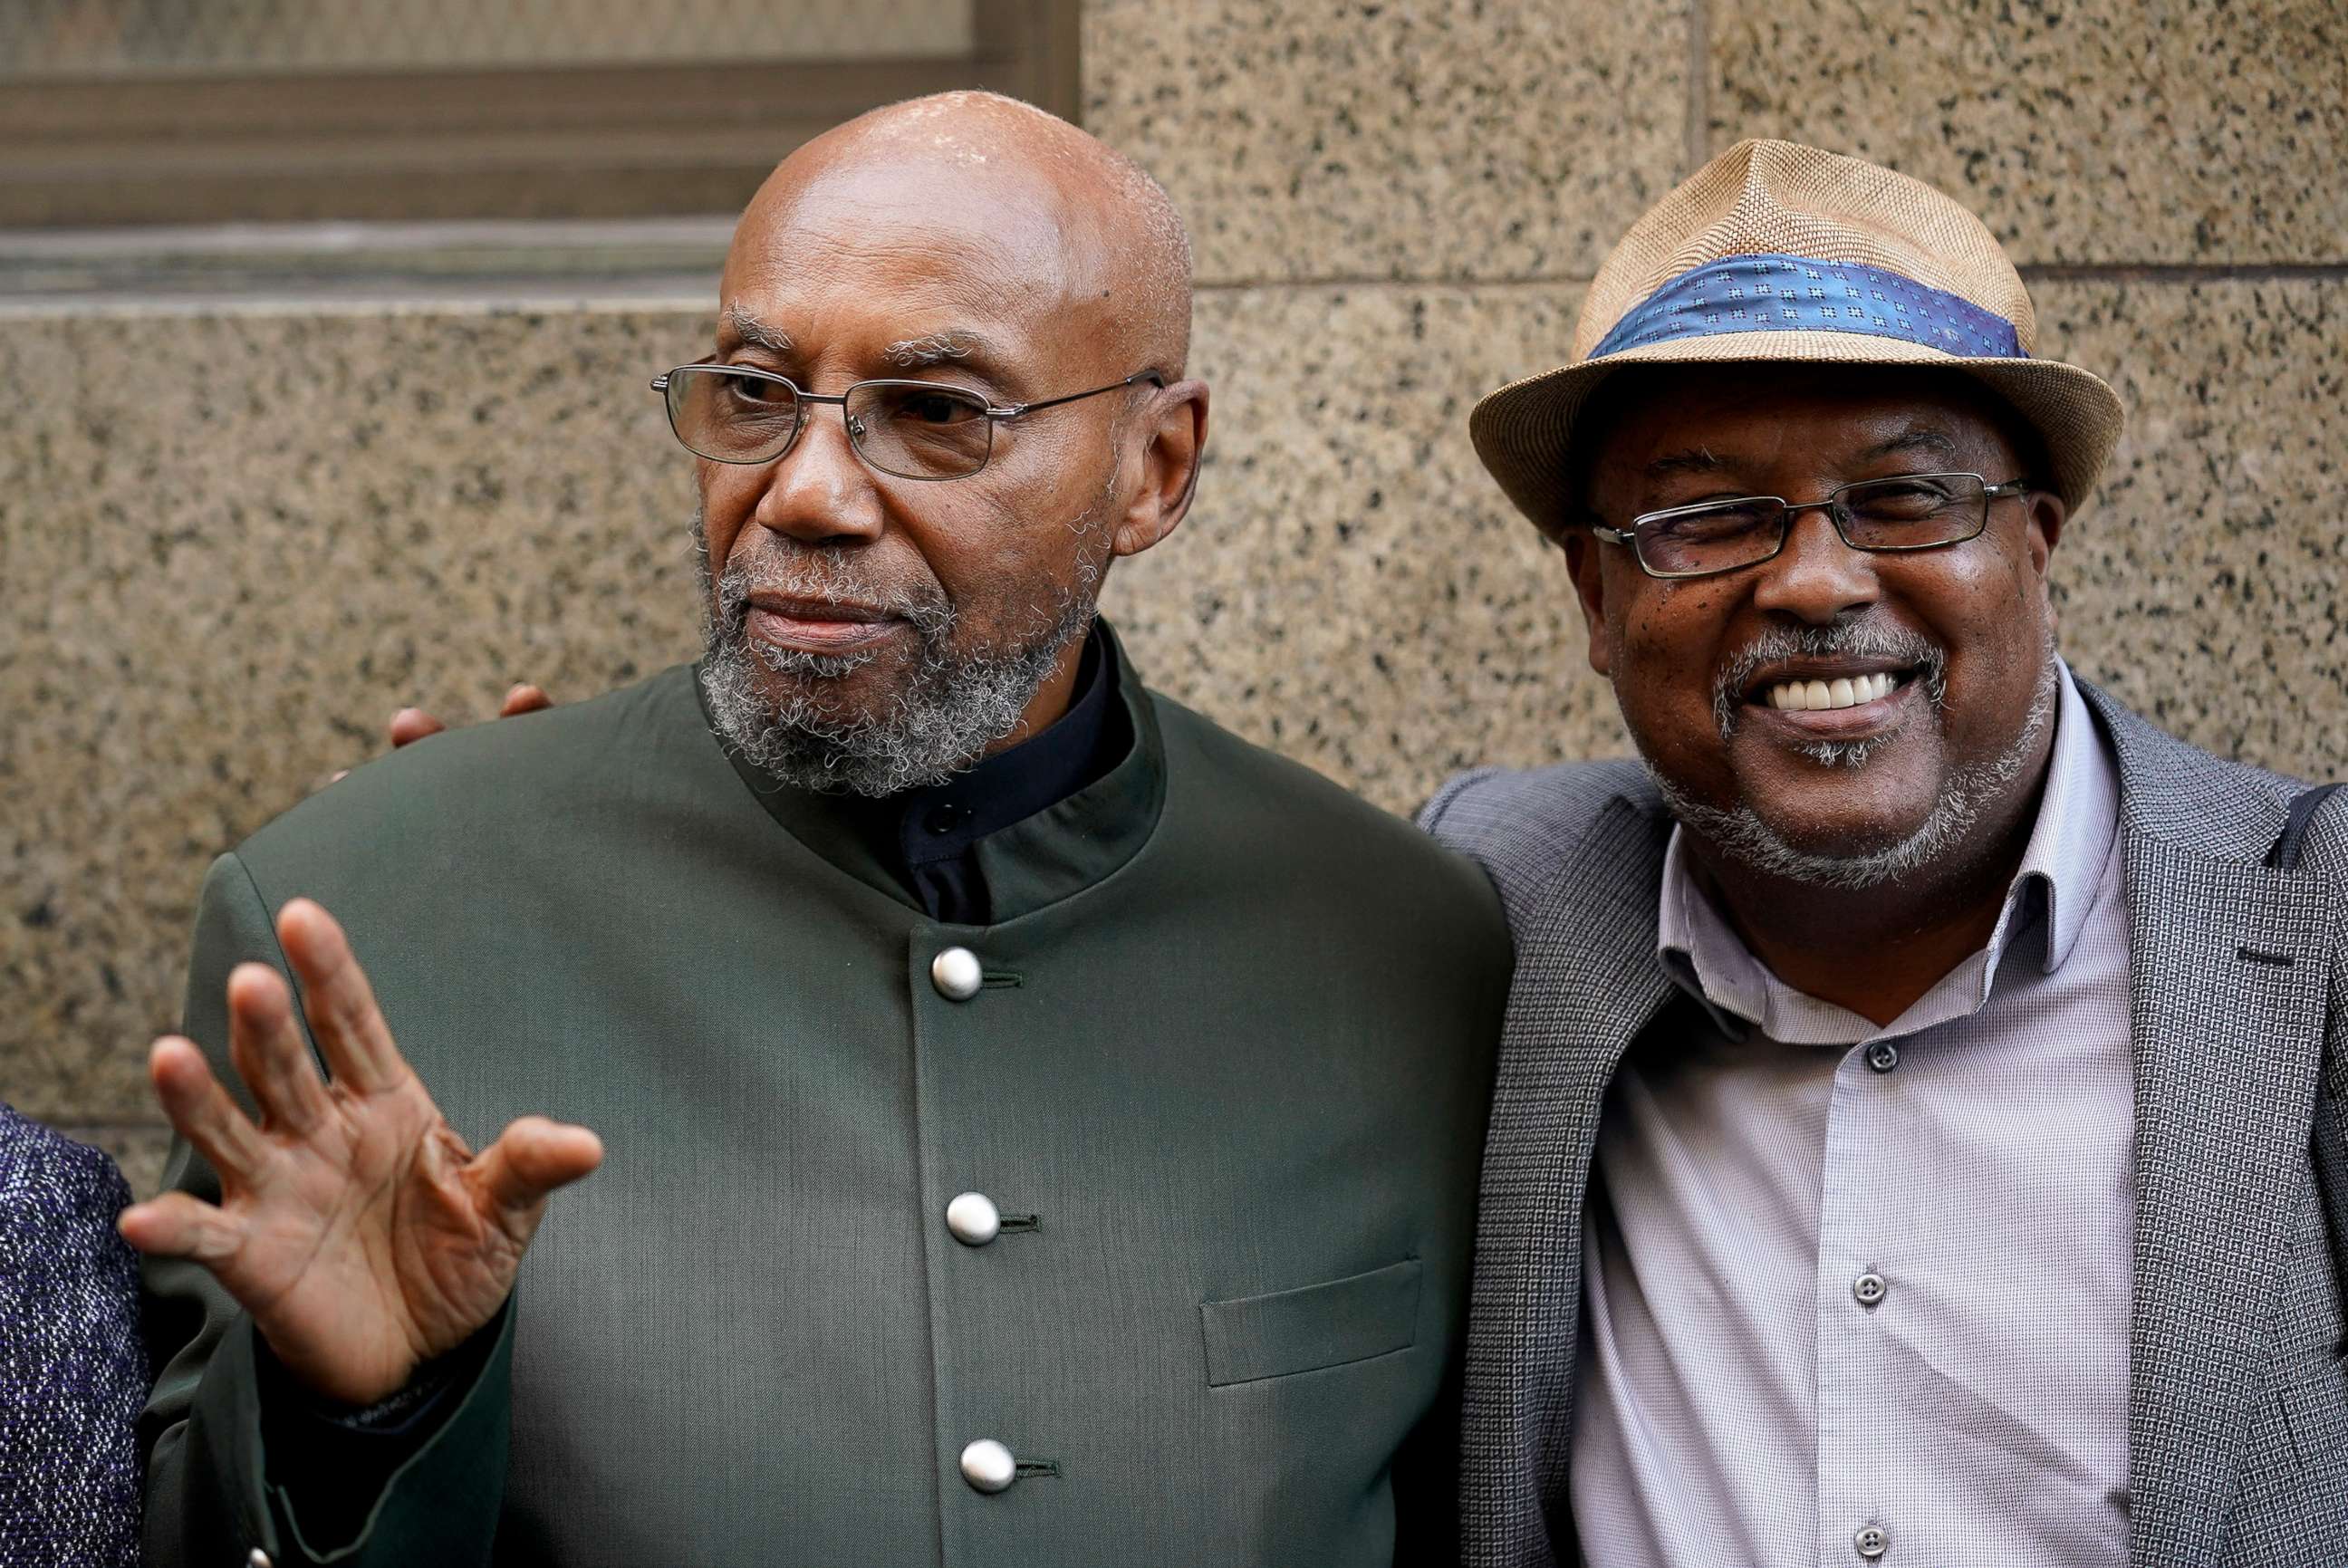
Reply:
x=1919, y=1130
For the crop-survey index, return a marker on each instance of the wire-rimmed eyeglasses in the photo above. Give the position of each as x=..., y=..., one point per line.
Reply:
x=1905, y=511
x=912, y=430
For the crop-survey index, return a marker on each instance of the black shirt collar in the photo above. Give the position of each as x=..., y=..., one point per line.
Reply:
x=943, y=822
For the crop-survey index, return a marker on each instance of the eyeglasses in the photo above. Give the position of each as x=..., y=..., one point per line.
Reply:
x=1910, y=512
x=912, y=430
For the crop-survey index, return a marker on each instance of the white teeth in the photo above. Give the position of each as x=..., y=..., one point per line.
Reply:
x=1808, y=697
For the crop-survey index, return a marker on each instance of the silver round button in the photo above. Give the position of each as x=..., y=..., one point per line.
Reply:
x=259, y=1559
x=1883, y=1056
x=973, y=1219
x=1871, y=1543
x=957, y=974
x=988, y=1466
x=1870, y=1288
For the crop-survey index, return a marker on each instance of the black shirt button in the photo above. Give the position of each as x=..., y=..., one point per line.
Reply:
x=944, y=820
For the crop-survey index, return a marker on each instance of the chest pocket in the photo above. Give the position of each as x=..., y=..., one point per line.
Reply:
x=1311, y=1326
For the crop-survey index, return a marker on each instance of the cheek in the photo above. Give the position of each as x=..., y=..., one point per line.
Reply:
x=1666, y=640
x=1663, y=636
x=729, y=495
x=1991, y=615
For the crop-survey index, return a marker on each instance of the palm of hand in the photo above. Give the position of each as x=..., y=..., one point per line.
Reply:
x=354, y=1225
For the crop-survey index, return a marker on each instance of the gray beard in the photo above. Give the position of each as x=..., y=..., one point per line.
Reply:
x=957, y=704
x=1740, y=834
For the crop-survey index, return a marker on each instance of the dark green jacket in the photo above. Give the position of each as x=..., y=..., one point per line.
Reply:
x=1232, y=1054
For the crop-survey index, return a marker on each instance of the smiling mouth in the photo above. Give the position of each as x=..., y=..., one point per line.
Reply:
x=1838, y=693
x=1821, y=696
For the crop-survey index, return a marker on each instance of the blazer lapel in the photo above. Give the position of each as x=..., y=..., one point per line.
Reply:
x=2228, y=980
x=1586, y=982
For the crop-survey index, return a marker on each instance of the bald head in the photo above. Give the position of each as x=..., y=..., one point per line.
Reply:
x=1049, y=218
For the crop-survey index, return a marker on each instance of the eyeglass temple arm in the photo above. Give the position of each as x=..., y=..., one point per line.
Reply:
x=1156, y=377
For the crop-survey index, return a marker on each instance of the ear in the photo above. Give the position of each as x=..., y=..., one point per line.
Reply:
x=1174, y=440
x=2043, y=528
x=1587, y=564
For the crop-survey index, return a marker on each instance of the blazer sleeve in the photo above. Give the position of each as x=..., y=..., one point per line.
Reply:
x=72, y=1371
x=209, y=1493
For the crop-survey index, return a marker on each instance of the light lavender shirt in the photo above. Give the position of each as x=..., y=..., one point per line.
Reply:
x=1856, y=1294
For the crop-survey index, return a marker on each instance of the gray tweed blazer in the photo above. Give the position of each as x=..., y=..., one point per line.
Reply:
x=2239, y=1017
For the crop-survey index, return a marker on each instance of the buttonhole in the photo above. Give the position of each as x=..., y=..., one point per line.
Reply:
x=1036, y=1470
x=2277, y=960
x=1010, y=1222
x=1001, y=980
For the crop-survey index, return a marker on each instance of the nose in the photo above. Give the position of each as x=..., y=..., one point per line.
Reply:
x=1816, y=578
x=820, y=491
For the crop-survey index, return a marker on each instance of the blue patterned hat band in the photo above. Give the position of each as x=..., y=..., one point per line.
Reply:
x=1792, y=293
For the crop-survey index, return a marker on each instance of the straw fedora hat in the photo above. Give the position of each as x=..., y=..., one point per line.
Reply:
x=1777, y=253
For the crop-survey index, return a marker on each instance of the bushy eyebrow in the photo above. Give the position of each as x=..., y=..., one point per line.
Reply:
x=935, y=348
x=743, y=328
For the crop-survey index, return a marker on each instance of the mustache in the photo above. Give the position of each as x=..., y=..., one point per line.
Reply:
x=800, y=573
x=1869, y=637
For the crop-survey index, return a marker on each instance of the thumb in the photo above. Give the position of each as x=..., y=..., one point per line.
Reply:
x=530, y=1158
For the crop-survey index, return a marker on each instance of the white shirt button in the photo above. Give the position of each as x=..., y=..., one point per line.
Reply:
x=988, y=1466
x=973, y=1219
x=957, y=974
x=1870, y=1288
x=1871, y=1543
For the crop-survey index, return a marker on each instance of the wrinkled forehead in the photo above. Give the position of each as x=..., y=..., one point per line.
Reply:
x=916, y=247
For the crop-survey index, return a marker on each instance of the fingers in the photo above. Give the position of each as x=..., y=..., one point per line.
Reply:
x=341, y=1005
x=203, y=1114
x=269, y=1052
x=181, y=1225
x=530, y=1158
x=524, y=698
x=411, y=725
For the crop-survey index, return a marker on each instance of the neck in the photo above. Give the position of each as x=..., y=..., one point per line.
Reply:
x=1875, y=951
x=1050, y=703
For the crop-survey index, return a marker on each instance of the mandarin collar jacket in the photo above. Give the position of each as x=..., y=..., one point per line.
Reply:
x=1219, y=1061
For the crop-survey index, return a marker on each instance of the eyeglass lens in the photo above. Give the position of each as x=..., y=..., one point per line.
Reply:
x=915, y=429
x=1912, y=511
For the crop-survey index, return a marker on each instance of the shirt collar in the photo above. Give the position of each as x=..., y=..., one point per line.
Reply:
x=2071, y=842
x=1093, y=815
x=943, y=822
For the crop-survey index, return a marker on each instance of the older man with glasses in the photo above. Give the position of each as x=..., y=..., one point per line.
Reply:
x=1034, y=1126
x=1919, y=1136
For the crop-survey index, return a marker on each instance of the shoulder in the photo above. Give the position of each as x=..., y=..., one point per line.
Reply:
x=1270, y=805
x=524, y=778
x=64, y=1274
x=48, y=1179
x=2173, y=791
x=1521, y=824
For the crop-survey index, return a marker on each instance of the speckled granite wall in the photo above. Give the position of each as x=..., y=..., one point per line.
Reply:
x=233, y=540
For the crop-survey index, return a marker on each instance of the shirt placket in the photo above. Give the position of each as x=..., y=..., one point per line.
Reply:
x=1858, y=1304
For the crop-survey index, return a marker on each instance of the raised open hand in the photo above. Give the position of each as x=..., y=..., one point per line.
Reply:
x=353, y=1225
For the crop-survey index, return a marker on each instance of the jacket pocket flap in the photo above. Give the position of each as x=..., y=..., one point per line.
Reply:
x=1313, y=1326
